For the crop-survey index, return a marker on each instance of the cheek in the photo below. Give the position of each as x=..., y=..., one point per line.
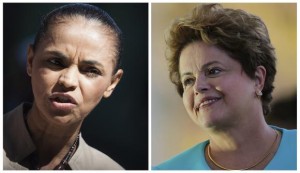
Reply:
x=234, y=90
x=43, y=80
x=188, y=101
x=92, y=91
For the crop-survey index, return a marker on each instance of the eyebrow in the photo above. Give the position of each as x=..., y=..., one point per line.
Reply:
x=202, y=68
x=92, y=63
x=209, y=64
x=58, y=54
x=65, y=58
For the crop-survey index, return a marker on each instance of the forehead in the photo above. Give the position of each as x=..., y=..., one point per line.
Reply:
x=78, y=24
x=197, y=54
x=78, y=32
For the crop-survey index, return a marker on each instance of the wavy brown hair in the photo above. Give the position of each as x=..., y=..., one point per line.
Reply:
x=243, y=36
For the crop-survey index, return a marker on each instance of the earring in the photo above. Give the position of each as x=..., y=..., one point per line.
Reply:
x=258, y=93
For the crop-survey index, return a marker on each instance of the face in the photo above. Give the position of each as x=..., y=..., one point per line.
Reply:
x=217, y=92
x=71, y=70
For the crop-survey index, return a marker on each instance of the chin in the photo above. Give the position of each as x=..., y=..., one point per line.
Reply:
x=206, y=125
x=66, y=119
x=63, y=120
x=208, y=122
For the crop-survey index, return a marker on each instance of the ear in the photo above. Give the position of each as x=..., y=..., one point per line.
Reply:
x=115, y=80
x=30, y=55
x=260, y=77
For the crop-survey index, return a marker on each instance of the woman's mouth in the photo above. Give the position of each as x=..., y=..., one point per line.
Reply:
x=62, y=102
x=206, y=102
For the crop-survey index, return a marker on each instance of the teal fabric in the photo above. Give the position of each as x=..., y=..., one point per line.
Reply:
x=194, y=159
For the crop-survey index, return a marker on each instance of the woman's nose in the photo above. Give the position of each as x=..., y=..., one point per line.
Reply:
x=201, y=84
x=69, y=78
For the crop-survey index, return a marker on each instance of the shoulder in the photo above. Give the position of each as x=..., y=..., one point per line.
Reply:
x=88, y=158
x=15, y=117
x=288, y=135
x=13, y=114
x=286, y=155
x=289, y=140
x=10, y=165
x=191, y=159
x=16, y=145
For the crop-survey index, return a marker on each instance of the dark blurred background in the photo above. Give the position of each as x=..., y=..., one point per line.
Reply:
x=118, y=126
x=284, y=112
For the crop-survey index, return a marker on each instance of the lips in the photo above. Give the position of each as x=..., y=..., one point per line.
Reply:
x=62, y=101
x=62, y=98
x=206, y=101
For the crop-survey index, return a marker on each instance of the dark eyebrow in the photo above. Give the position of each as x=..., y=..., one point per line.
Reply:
x=65, y=58
x=92, y=63
x=208, y=64
x=186, y=74
x=58, y=54
x=202, y=68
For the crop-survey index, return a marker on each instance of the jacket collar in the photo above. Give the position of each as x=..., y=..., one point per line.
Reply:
x=18, y=144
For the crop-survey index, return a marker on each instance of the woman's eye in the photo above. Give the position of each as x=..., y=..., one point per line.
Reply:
x=55, y=62
x=92, y=72
x=213, y=72
x=188, y=82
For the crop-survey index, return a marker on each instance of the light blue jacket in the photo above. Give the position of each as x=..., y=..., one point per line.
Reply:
x=194, y=158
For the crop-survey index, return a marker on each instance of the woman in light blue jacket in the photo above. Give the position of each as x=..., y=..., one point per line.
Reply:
x=223, y=65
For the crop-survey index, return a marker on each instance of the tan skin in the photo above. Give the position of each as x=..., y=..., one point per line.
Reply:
x=220, y=98
x=77, y=59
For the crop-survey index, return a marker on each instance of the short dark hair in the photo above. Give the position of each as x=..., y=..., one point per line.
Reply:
x=243, y=36
x=87, y=11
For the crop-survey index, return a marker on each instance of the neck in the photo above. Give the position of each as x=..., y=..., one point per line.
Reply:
x=239, y=138
x=52, y=140
x=242, y=144
x=241, y=130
